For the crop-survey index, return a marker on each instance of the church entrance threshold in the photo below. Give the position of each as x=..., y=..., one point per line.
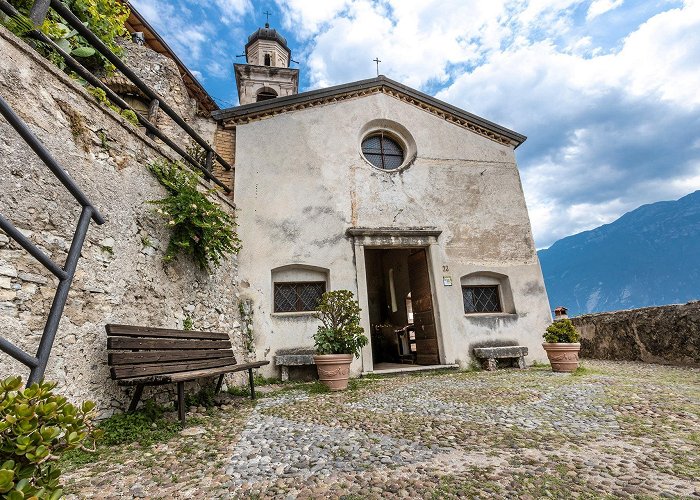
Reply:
x=400, y=306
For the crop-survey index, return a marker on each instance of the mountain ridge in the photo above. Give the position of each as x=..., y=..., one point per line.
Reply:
x=649, y=256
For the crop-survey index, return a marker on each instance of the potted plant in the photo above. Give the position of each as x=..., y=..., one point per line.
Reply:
x=338, y=339
x=561, y=341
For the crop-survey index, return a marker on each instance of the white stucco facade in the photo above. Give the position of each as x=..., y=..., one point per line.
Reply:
x=302, y=185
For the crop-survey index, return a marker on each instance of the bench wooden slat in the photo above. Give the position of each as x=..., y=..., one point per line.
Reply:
x=131, y=371
x=134, y=358
x=238, y=367
x=185, y=376
x=160, y=344
x=143, y=331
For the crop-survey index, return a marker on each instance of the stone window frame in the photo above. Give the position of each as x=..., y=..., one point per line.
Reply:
x=490, y=278
x=394, y=131
x=298, y=274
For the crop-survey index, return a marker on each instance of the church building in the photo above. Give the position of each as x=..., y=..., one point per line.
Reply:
x=414, y=205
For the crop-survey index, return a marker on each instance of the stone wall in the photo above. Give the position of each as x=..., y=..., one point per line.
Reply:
x=121, y=277
x=162, y=75
x=666, y=334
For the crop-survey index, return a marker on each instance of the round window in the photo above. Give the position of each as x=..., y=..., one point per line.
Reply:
x=383, y=151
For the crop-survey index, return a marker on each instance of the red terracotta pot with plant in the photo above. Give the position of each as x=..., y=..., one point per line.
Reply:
x=338, y=339
x=561, y=342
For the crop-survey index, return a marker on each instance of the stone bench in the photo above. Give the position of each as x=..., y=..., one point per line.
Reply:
x=284, y=358
x=489, y=355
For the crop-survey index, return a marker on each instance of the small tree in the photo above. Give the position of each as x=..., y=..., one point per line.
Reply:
x=561, y=331
x=340, y=331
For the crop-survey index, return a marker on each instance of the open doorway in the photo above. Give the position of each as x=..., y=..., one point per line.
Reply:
x=400, y=307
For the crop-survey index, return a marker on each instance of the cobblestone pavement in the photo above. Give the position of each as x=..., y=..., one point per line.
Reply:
x=617, y=430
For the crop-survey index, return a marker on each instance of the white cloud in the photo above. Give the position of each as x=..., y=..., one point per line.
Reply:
x=306, y=17
x=416, y=40
x=601, y=127
x=600, y=7
x=606, y=90
x=233, y=10
x=174, y=22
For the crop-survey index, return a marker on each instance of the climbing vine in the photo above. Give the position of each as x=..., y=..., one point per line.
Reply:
x=105, y=18
x=245, y=308
x=199, y=227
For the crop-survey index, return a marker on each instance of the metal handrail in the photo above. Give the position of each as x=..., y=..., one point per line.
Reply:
x=65, y=274
x=98, y=45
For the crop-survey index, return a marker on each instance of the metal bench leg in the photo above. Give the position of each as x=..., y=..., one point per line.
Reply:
x=181, y=402
x=252, y=385
x=135, y=399
x=219, y=383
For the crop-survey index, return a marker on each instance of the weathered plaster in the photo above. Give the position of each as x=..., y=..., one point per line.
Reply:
x=302, y=182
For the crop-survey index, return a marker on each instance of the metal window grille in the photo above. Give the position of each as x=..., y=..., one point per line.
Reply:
x=382, y=152
x=298, y=296
x=481, y=299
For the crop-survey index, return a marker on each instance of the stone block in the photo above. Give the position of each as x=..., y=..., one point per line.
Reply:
x=8, y=270
x=500, y=352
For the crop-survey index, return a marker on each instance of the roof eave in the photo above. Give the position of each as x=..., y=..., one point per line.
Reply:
x=209, y=104
x=272, y=104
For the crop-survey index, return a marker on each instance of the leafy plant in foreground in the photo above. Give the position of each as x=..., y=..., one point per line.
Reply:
x=36, y=427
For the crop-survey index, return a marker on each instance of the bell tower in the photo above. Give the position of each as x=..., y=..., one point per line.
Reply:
x=266, y=74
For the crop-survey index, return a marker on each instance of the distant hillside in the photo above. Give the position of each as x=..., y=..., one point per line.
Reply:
x=650, y=256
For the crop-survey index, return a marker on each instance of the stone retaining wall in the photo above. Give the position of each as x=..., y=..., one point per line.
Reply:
x=121, y=277
x=665, y=334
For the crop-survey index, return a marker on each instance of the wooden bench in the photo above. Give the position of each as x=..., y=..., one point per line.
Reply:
x=142, y=356
x=489, y=355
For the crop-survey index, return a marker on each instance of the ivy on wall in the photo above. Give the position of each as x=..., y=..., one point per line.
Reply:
x=101, y=97
x=198, y=227
x=105, y=18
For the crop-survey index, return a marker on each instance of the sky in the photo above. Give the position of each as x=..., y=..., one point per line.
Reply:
x=607, y=91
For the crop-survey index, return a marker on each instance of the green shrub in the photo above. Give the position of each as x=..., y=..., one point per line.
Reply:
x=340, y=331
x=205, y=397
x=199, y=227
x=36, y=427
x=562, y=331
x=145, y=426
x=105, y=18
x=130, y=116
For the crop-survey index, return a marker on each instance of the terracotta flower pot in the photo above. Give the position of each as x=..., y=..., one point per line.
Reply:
x=334, y=370
x=562, y=357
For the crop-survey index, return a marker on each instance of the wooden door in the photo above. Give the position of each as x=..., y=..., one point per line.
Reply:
x=423, y=318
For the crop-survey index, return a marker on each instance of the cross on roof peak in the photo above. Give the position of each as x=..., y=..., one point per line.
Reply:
x=267, y=18
x=377, y=60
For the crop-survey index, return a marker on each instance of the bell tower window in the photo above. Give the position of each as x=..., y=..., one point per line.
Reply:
x=267, y=61
x=265, y=93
